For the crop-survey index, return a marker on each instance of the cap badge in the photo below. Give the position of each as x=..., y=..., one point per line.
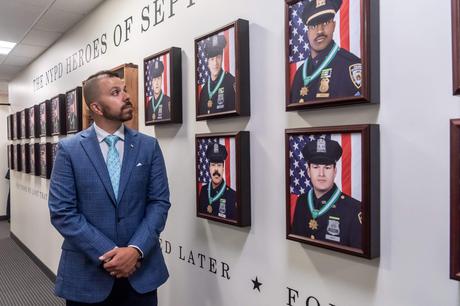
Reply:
x=216, y=148
x=215, y=41
x=321, y=145
x=156, y=65
x=320, y=3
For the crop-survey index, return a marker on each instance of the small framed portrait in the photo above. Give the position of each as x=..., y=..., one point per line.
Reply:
x=14, y=127
x=45, y=160
x=18, y=125
x=332, y=188
x=455, y=199
x=18, y=155
x=45, y=118
x=222, y=72
x=8, y=127
x=223, y=178
x=25, y=123
x=25, y=151
x=163, y=87
x=73, y=110
x=58, y=123
x=34, y=150
x=9, y=150
x=34, y=124
x=332, y=53
x=13, y=157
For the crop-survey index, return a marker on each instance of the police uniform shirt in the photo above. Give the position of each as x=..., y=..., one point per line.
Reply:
x=162, y=112
x=224, y=98
x=340, y=224
x=341, y=78
x=224, y=207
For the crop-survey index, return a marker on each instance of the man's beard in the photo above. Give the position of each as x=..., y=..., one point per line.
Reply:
x=121, y=116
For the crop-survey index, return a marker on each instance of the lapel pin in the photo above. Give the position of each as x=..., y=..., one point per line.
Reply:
x=132, y=146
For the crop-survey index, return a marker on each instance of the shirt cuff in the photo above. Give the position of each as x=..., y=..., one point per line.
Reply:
x=141, y=254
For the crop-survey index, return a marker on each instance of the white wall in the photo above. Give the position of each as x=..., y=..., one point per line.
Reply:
x=416, y=105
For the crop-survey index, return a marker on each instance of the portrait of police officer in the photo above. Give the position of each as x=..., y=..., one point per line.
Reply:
x=159, y=104
x=326, y=213
x=216, y=198
x=218, y=93
x=329, y=71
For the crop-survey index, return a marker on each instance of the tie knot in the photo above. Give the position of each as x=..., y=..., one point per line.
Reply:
x=111, y=140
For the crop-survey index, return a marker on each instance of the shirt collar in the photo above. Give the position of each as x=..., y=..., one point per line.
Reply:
x=101, y=134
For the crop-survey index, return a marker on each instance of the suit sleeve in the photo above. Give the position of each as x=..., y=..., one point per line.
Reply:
x=66, y=218
x=148, y=232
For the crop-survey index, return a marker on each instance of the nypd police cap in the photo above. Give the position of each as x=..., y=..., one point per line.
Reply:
x=322, y=151
x=318, y=11
x=216, y=153
x=157, y=68
x=215, y=45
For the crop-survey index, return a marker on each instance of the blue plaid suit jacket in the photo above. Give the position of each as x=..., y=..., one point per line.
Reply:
x=84, y=210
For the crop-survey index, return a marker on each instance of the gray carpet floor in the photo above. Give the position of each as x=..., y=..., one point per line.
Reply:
x=22, y=283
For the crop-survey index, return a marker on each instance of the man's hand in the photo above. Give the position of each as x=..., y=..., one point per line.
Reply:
x=121, y=262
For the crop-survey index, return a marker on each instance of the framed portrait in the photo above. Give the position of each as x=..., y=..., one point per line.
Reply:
x=10, y=156
x=223, y=190
x=25, y=151
x=331, y=53
x=18, y=156
x=18, y=125
x=45, y=160
x=455, y=199
x=25, y=123
x=163, y=87
x=332, y=188
x=58, y=112
x=14, y=127
x=45, y=118
x=222, y=72
x=34, y=150
x=34, y=124
x=8, y=127
x=73, y=113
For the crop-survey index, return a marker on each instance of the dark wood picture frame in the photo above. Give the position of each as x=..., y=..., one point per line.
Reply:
x=242, y=179
x=8, y=127
x=58, y=115
x=242, y=72
x=34, y=159
x=26, y=158
x=34, y=124
x=173, y=72
x=18, y=156
x=455, y=199
x=455, y=47
x=25, y=133
x=45, y=118
x=71, y=125
x=10, y=156
x=18, y=126
x=369, y=188
x=367, y=83
x=45, y=160
x=14, y=127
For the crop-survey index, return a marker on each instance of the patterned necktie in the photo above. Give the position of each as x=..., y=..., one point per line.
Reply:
x=113, y=162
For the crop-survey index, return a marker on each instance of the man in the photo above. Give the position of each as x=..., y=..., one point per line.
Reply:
x=329, y=71
x=216, y=198
x=324, y=212
x=218, y=93
x=71, y=114
x=159, y=105
x=109, y=199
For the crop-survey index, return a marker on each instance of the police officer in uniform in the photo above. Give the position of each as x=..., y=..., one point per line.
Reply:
x=324, y=212
x=158, y=105
x=329, y=71
x=216, y=198
x=218, y=93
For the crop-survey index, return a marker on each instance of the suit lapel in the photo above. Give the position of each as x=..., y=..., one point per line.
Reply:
x=93, y=150
x=131, y=150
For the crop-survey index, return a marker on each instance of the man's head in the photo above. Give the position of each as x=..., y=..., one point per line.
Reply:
x=318, y=16
x=106, y=97
x=214, y=52
x=321, y=156
x=157, y=68
x=216, y=154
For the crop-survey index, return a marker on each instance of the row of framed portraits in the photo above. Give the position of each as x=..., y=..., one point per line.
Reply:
x=32, y=158
x=61, y=115
x=334, y=206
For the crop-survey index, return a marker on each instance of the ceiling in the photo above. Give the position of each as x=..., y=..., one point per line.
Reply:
x=34, y=25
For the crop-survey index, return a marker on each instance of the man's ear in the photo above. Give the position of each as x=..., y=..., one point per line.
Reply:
x=96, y=108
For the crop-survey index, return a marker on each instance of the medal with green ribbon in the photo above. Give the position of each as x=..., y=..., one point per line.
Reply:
x=315, y=213
x=307, y=79
x=216, y=197
x=211, y=93
x=155, y=106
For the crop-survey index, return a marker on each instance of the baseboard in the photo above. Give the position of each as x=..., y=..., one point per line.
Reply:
x=3, y=218
x=34, y=258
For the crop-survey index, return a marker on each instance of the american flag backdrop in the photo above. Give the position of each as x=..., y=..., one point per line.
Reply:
x=203, y=163
x=165, y=86
x=347, y=32
x=228, y=61
x=349, y=176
